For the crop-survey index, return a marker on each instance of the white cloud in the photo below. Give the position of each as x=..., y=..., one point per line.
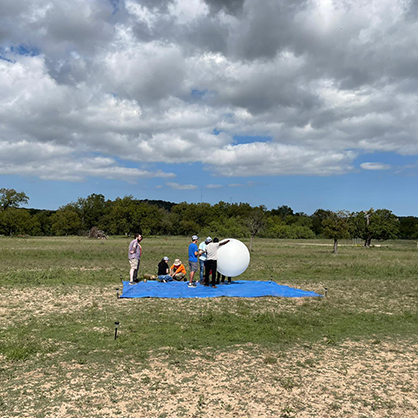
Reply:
x=256, y=159
x=213, y=186
x=187, y=11
x=375, y=166
x=177, y=186
x=325, y=81
x=55, y=162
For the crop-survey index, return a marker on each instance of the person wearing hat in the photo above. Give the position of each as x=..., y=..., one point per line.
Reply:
x=193, y=252
x=202, y=257
x=163, y=271
x=177, y=270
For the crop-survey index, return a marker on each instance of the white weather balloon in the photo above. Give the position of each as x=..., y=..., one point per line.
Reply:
x=233, y=258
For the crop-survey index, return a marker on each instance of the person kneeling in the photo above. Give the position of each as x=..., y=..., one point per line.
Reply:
x=177, y=270
x=163, y=274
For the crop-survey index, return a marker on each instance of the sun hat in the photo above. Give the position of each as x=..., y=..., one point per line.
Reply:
x=194, y=237
x=208, y=239
x=166, y=258
x=177, y=262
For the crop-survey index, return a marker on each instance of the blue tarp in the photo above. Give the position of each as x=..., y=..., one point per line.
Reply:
x=239, y=289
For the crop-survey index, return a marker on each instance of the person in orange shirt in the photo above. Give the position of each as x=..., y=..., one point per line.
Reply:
x=177, y=270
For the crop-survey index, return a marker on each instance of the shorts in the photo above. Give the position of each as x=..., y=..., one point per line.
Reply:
x=193, y=265
x=134, y=262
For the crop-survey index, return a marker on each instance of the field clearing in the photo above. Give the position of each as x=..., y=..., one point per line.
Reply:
x=353, y=353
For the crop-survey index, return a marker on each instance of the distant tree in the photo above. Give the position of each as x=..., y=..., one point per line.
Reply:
x=43, y=218
x=119, y=219
x=255, y=222
x=10, y=198
x=91, y=209
x=66, y=221
x=380, y=224
x=194, y=216
x=17, y=221
x=282, y=212
x=408, y=227
x=145, y=218
x=222, y=209
x=225, y=227
x=317, y=219
x=336, y=226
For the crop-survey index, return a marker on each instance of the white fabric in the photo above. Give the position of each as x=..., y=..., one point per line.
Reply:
x=212, y=251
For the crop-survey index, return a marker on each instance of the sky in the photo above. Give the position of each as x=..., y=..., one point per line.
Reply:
x=305, y=103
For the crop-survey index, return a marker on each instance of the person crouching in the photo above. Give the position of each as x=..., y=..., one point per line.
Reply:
x=163, y=271
x=177, y=270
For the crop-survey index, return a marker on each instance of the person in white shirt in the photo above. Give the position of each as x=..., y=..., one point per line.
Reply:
x=202, y=258
x=212, y=259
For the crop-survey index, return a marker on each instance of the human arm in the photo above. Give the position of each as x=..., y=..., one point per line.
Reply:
x=224, y=242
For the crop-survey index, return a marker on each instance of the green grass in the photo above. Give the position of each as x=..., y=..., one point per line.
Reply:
x=60, y=305
x=371, y=292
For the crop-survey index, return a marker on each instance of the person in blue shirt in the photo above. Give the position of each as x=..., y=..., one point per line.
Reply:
x=193, y=252
x=202, y=258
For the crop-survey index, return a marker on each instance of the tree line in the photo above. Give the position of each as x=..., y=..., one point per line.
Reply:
x=126, y=215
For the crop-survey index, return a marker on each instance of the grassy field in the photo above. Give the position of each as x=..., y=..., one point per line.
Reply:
x=353, y=353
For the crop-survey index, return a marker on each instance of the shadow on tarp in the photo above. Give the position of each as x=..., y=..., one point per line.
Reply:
x=247, y=289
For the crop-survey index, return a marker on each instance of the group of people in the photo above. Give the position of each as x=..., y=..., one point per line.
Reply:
x=204, y=256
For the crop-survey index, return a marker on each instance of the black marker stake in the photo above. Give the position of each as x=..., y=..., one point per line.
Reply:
x=116, y=329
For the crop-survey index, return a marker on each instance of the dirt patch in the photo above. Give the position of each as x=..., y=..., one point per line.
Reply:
x=17, y=305
x=351, y=380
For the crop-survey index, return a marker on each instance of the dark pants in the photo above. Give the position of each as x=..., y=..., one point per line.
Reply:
x=219, y=280
x=210, y=265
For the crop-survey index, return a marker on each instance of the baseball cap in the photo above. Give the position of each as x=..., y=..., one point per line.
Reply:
x=194, y=237
x=166, y=258
x=208, y=239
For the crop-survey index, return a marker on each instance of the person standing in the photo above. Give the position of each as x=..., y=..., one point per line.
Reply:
x=193, y=252
x=212, y=259
x=220, y=278
x=202, y=258
x=134, y=256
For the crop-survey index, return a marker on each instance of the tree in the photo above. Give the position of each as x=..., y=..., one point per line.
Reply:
x=91, y=209
x=119, y=219
x=408, y=227
x=317, y=218
x=17, y=221
x=10, y=198
x=282, y=212
x=66, y=221
x=336, y=226
x=255, y=222
x=380, y=224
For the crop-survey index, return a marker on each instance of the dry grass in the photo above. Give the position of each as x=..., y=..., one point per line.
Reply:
x=353, y=354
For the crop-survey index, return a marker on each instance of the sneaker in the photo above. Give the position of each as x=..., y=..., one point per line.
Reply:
x=191, y=285
x=132, y=283
x=164, y=281
x=214, y=287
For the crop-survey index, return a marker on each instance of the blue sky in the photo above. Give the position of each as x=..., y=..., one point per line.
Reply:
x=355, y=191
x=306, y=104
